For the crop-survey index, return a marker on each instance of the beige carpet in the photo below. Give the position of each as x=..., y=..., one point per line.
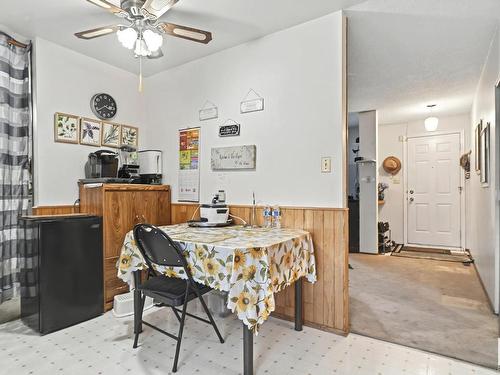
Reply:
x=435, y=306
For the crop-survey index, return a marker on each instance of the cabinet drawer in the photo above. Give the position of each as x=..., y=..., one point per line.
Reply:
x=112, y=284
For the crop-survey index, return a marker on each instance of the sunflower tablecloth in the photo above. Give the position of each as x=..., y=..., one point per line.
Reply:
x=251, y=264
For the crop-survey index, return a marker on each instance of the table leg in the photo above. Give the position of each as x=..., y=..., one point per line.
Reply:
x=137, y=303
x=247, y=351
x=298, y=305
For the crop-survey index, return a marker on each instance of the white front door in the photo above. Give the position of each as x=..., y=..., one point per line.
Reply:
x=434, y=189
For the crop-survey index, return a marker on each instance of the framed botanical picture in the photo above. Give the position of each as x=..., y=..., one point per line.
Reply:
x=477, y=144
x=110, y=134
x=484, y=158
x=65, y=128
x=90, y=132
x=130, y=136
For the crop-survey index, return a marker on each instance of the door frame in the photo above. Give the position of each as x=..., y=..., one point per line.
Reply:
x=462, y=182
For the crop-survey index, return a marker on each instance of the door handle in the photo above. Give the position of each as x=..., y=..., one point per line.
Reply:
x=411, y=191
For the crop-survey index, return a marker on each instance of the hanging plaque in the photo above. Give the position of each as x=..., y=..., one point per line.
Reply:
x=248, y=104
x=208, y=112
x=230, y=130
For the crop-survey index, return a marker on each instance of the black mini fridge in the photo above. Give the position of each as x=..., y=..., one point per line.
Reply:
x=62, y=271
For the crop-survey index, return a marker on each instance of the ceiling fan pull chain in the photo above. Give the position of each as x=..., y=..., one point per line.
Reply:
x=140, y=73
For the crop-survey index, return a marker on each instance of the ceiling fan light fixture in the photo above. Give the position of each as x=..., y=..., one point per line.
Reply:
x=127, y=37
x=141, y=48
x=153, y=40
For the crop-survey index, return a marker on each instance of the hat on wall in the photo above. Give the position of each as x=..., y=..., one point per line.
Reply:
x=392, y=165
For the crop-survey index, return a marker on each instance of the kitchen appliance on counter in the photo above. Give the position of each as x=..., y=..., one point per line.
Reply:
x=129, y=167
x=215, y=214
x=102, y=164
x=150, y=162
x=62, y=284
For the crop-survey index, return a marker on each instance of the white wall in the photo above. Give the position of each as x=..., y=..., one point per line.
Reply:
x=299, y=73
x=390, y=144
x=483, y=239
x=64, y=82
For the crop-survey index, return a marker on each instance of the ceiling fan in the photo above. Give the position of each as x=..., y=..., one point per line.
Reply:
x=143, y=32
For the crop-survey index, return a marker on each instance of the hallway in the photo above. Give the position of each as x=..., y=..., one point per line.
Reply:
x=435, y=306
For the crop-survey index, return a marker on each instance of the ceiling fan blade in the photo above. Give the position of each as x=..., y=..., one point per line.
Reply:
x=156, y=54
x=109, y=7
x=185, y=32
x=156, y=8
x=96, y=33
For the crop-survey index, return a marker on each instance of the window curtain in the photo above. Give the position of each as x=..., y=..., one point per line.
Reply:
x=15, y=149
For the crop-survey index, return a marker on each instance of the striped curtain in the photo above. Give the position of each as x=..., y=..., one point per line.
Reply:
x=15, y=146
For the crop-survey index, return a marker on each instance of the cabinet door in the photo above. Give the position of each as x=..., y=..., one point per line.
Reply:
x=146, y=207
x=164, y=208
x=120, y=218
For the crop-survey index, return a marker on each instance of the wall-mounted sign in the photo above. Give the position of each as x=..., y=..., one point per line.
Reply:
x=231, y=158
x=229, y=130
x=208, y=112
x=252, y=102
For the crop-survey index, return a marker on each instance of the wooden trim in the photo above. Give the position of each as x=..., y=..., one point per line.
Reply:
x=260, y=206
x=56, y=210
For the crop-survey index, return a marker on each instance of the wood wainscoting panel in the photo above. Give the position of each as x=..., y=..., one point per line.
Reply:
x=326, y=302
x=56, y=210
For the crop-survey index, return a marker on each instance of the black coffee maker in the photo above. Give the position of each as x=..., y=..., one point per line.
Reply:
x=102, y=164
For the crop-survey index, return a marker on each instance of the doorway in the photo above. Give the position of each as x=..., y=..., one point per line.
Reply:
x=434, y=189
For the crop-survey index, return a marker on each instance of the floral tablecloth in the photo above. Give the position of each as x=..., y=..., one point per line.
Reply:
x=251, y=264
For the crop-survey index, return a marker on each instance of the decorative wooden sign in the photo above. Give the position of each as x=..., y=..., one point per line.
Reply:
x=208, y=112
x=248, y=105
x=229, y=130
x=233, y=158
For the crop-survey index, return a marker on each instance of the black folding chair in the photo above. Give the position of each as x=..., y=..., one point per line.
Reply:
x=158, y=248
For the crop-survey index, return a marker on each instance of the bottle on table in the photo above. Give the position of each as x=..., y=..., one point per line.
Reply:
x=267, y=213
x=276, y=217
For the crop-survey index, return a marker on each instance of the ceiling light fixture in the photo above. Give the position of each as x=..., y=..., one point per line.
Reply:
x=431, y=123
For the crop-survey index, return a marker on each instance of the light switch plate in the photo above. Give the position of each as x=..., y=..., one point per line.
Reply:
x=326, y=165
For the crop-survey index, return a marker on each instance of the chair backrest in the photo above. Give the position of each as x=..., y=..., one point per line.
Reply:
x=158, y=248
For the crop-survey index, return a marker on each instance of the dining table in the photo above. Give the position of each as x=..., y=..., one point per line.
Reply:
x=251, y=264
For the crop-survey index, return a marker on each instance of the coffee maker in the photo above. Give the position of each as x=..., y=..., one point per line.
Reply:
x=102, y=164
x=151, y=167
x=129, y=168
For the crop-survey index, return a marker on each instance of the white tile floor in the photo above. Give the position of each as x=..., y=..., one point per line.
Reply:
x=104, y=346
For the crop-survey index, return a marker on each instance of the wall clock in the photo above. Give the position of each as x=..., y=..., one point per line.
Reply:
x=104, y=106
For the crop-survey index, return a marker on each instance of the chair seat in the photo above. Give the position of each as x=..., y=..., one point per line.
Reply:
x=170, y=290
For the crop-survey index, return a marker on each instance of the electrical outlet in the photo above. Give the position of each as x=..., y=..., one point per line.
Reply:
x=326, y=165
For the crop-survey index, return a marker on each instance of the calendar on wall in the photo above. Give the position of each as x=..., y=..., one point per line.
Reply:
x=189, y=166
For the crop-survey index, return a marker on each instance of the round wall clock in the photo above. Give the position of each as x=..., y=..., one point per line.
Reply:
x=103, y=106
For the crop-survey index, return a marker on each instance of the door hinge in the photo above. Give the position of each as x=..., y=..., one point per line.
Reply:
x=460, y=189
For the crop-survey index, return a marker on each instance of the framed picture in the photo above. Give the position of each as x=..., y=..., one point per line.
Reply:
x=130, y=136
x=65, y=128
x=484, y=158
x=110, y=134
x=90, y=132
x=477, y=151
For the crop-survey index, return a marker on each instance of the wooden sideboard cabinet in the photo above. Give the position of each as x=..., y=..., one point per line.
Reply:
x=122, y=206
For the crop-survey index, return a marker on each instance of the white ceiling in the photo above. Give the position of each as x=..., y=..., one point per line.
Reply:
x=232, y=22
x=405, y=54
